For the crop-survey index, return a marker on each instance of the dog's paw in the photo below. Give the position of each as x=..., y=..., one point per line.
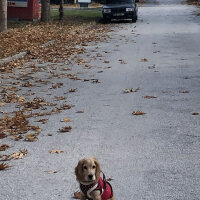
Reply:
x=77, y=195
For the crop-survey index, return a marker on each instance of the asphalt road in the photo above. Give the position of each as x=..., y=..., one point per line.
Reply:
x=153, y=156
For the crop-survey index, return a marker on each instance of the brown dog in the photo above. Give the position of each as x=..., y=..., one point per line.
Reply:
x=92, y=186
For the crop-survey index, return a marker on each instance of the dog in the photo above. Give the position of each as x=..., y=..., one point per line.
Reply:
x=92, y=186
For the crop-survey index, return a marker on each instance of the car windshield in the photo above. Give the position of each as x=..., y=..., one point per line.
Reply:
x=118, y=1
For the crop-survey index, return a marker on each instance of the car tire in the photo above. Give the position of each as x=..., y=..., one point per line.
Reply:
x=134, y=19
x=106, y=20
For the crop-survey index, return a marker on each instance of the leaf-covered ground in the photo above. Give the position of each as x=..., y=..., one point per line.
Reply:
x=29, y=86
x=67, y=34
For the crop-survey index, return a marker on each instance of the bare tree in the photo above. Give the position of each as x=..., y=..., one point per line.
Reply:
x=61, y=10
x=45, y=10
x=3, y=16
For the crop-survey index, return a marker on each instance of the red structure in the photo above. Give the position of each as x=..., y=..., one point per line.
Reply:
x=24, y=9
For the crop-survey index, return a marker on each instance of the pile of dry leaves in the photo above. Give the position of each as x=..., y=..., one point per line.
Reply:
x=68, y=38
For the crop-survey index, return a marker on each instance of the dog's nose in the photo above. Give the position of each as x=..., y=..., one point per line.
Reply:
x=90, y=176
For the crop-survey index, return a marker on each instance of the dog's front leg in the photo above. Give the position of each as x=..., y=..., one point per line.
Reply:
x=97, y=198
x=96, y=195
x=82, y=196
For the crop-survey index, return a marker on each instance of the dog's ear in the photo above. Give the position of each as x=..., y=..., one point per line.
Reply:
x=79, y=170
x=98, y=168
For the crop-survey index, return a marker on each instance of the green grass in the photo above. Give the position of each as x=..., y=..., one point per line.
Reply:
x=85, y=14
x=17, y=23
x=78, y=15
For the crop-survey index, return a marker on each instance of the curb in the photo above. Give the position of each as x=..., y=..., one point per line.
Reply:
x=22, y=54
x=12, y=58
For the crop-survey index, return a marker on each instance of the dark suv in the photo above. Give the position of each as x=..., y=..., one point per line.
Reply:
x=120, y=9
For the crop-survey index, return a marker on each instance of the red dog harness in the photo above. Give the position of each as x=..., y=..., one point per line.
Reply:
x=102, y=185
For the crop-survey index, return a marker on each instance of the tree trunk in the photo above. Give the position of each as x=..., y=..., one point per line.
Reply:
x=3, y=16
x=61, y=10
x=45, y=16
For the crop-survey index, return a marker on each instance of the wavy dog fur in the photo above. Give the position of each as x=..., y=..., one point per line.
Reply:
x=86, y=167
x=79, y=169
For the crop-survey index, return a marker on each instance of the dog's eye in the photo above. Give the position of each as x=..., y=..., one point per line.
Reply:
x=85, y=167
x=93, y=166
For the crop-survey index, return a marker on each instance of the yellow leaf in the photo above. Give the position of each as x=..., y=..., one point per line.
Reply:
x=31, y=137
x=65, y=129
x=66, y=120
x=56, y=151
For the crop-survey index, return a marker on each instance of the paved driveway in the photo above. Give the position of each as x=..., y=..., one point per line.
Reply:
x=155, y=156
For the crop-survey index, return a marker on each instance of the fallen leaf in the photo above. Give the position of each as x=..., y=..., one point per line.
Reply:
x=195, y=113
x=2, y=135
x=57, y=85
x=184, y=91
x=150, y=97
x=73, y=90
x=152, y=67
x=3, y=147
x=65, y=129
x=56, y=151
x=5, y=157
x=143, y=60
x=43, y=121
x=17, y=138
x=106, y=61
x=80, y=111
x=138, y=112
x=31, y=137
x=2, y=104
x=59, y=98
x=24, y=151
x=131, y=90
x=95, y=80
x=65, y=107
x=4, y=166
x=122, y=61
x=66, y=120
x=51, y=172
x=156, y=51
x=17, y=155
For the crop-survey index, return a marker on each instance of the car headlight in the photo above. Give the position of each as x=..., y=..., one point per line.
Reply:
x=107, y=10
x=129, y=9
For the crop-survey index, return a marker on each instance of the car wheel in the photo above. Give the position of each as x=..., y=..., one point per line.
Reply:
x=134, y=19
x=106, y=20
